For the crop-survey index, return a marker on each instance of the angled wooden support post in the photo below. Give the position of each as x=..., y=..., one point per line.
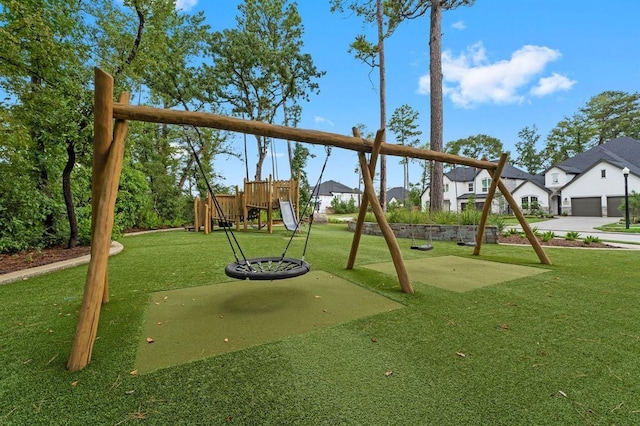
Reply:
x=387, y=232
x=102, y=219
x=377, y=145
x=486, y=209
x=523, y=222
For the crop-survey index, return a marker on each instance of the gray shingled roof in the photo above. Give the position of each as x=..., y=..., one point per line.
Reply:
x=399, y=193
x=331, y=187
x=619, y=151
x=467, y=174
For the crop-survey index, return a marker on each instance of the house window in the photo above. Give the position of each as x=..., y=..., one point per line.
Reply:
x=446, y=187
x=603, y=173
x=470, y=186
x=554, y=178
x=529, y=202
x=486, y=182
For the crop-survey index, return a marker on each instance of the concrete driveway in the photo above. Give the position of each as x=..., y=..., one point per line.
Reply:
x=585, y=226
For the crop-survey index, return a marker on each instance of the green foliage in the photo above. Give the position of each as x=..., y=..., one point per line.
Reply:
x=342, y=207
x=528, y=155
x=634, y=206
x=605, y=116
x=591, y=239
x=512, y=231
x=477, y=146
x=547, y=236
x=571, y=235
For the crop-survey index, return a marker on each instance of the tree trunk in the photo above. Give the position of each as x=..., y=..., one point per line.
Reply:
x=68, y=197
x=383, y=106
x=435, y=70
x=262, y=154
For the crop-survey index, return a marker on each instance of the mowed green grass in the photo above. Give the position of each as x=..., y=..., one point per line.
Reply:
x=561, y=347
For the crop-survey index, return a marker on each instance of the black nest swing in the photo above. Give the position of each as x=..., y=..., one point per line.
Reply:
x=268, y=268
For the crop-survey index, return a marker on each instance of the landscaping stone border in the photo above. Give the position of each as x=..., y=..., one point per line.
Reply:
x=431, y=232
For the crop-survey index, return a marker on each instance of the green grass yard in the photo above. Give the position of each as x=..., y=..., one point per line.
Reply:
x=560, y=347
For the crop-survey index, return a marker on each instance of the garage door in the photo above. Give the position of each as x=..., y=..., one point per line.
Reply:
x=612, y=206
x=586, y=207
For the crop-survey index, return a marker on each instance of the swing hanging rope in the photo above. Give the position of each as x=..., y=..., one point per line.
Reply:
x=414, y=246
x=262, y=268
x=280, y=267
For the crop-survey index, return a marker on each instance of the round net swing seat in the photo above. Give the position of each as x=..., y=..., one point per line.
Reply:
x=267, y=268
x=423, y=247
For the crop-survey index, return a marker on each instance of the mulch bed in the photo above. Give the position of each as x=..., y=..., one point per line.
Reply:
x=32, y=258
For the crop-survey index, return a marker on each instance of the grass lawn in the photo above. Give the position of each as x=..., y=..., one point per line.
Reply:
x=634, y=228
x=559, y=347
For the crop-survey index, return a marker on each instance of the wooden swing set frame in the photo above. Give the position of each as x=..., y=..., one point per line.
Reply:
x=109, y=140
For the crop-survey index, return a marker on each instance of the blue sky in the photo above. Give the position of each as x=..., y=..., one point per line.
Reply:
x=507, y=64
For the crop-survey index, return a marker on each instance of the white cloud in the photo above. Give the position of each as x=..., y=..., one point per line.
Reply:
x=459, y=25
x=185, y=5
x=549, y=85
x=470, y=79
x=322, y=120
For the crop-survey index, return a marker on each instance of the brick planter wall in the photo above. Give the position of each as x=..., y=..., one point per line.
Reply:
x=433, y=232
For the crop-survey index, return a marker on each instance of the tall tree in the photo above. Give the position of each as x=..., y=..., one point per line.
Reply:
x=259, y=66
x=528, y=155
x=372, y=54
x=399, y=11
x=612, y=114
x=571, y=136
x=42, y=66
x=404, y=125
x=477, y=146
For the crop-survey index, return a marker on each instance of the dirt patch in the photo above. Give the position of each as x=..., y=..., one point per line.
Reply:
x=32, y=258
x=554, y=242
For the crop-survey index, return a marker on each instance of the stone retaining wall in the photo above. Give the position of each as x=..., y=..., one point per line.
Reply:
x=431, y=232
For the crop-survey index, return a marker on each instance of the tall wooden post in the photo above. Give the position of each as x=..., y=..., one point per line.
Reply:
x=387, y=232
x=537, y=247
x=486, y=209
x=375, y=151
x=102, y=218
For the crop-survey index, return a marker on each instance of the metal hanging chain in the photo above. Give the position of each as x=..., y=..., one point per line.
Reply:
x=306, y=241
x=227, y=232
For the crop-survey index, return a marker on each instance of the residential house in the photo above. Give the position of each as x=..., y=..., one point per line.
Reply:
x=591, y=183
x=325, y=193
x=588, y=184
x=397, y=195
x=463, y=184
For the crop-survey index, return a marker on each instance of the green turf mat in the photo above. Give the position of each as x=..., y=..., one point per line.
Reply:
x=194, y=323
x=458, y=273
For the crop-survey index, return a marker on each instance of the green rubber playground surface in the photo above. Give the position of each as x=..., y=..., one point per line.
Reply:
x=193, y=323
x=459, y=274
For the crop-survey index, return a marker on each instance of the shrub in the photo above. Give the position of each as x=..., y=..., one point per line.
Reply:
x=547, y=236
x=591, y=239
x=571, y=235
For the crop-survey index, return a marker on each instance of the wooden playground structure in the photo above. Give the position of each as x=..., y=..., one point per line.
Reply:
x=245, y=206
x=109, y=139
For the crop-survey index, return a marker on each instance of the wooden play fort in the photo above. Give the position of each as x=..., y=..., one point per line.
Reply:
x=245, y=206
x=110, y=130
